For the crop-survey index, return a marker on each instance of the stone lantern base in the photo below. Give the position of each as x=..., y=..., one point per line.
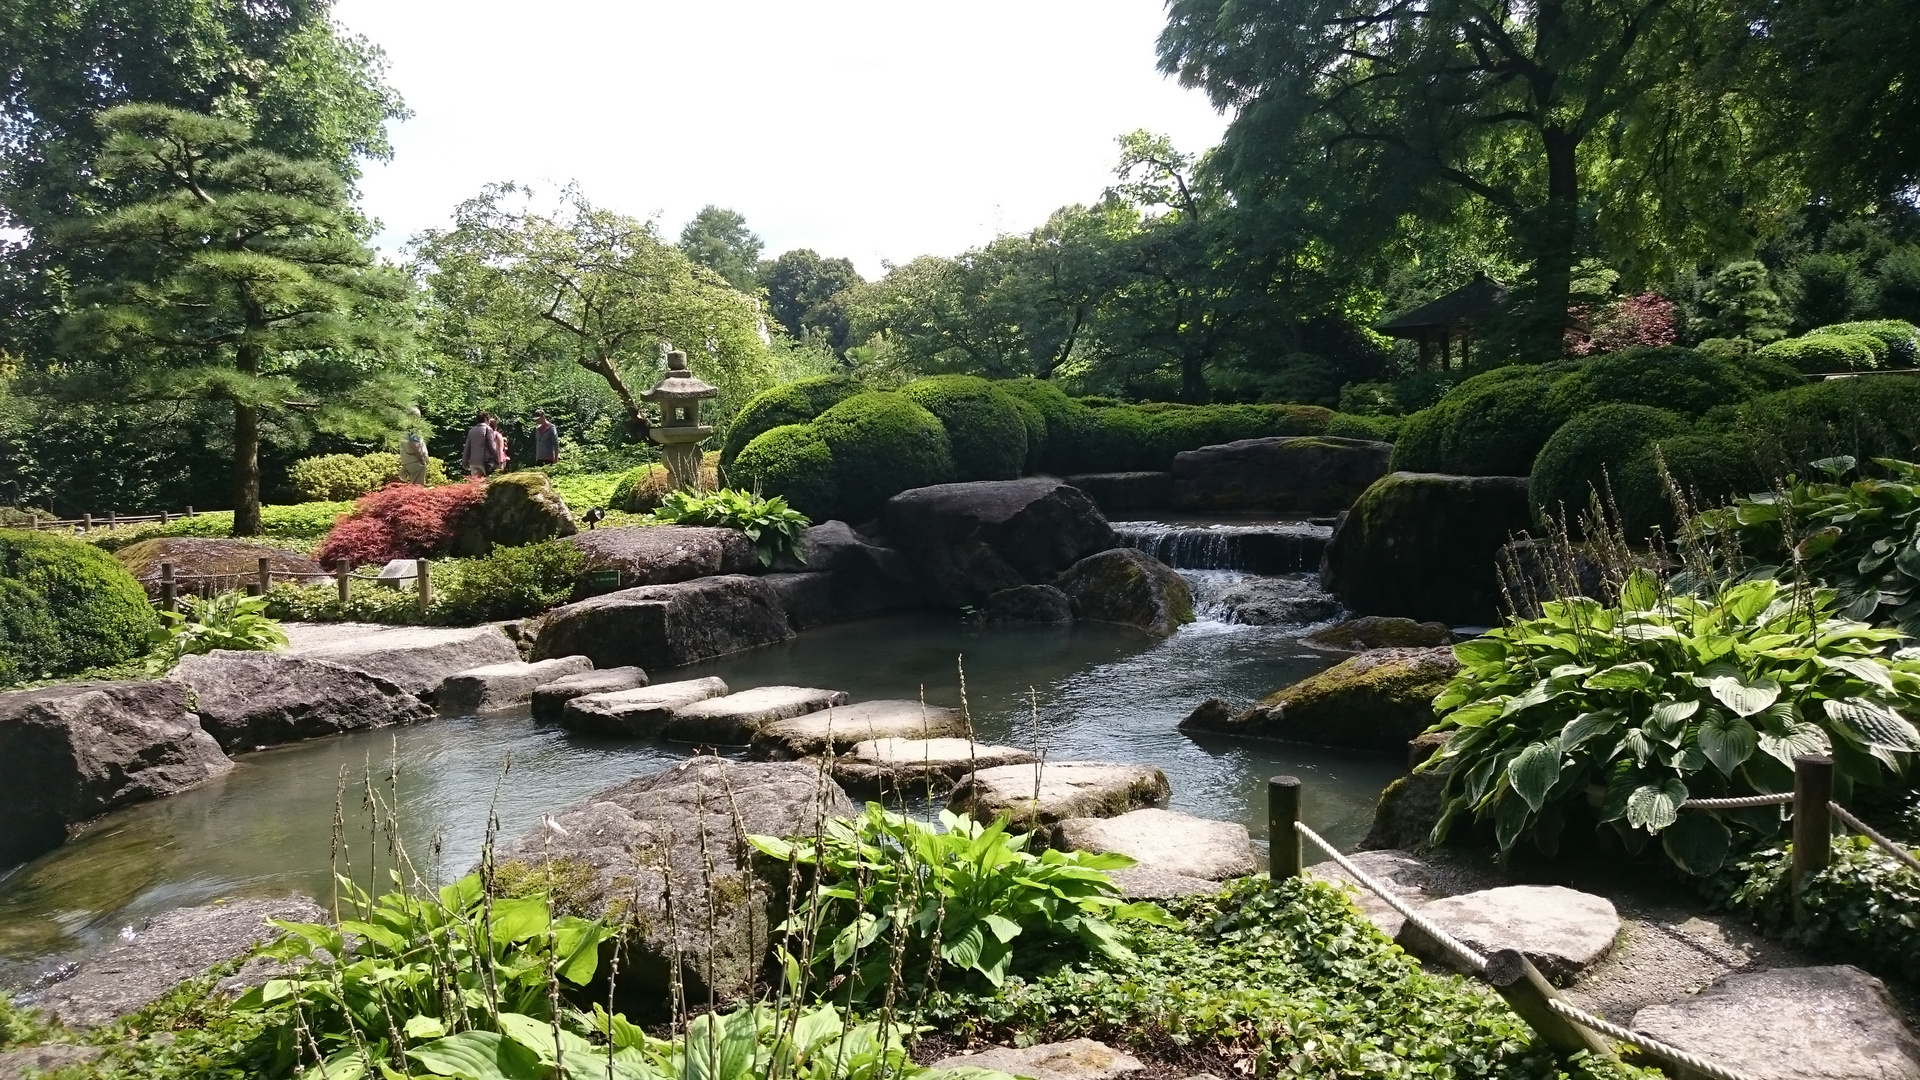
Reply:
x=681, y=449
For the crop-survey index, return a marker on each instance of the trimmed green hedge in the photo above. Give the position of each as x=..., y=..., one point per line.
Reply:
x=1710, y=467
x=1877, y=416
x=792, y=461
x=984, y=424
x=1679, y=380
x=1824, y=353
x=883, y=443
x=1587, y=453
x=1059, y=417
x=792, y=403
x=66, y=606
x=1901, y=338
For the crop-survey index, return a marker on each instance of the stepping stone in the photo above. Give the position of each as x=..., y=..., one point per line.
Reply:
x=1163, y=840
x=732, y=720
x=503, y=686
x=841, y=727
x=1399, y=871
x=1811, y=1023
x=1078, y=1059
x=416, y=658
x=642, y=712
x=1144, y=883
x=1564, y=932
x=906, y=766
x=1066, y=789
x=550, y=699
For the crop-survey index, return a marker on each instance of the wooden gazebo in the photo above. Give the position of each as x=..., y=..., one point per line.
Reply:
x=1451, y=318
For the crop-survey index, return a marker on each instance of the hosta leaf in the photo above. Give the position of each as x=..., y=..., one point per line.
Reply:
x=1480, y=651
x=1537, y=694
x=1649, y=632
x=1871, y=724
x=1655, y=806
x=1668, y=713
x=1743, y=695
x=1586, y=726
x=1748, y=599
x=1533, y=772
x=1474, y=715
x=1641, y=591
x=1635, y=676
x=1908, y=560
x=482, y=1055
x=1727, y=741
x=1509, y=821
x=1697, y=843
x=1860, y=667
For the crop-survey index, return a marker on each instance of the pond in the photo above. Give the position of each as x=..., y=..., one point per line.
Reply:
x=267, y=828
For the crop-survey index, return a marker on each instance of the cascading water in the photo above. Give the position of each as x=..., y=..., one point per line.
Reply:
x=1243, y=573
x=1288, y=600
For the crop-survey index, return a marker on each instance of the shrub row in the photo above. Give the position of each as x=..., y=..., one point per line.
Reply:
x=337, y=477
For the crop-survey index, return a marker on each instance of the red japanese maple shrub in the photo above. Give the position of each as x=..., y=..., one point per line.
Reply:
x=1646, y=319
x=400, y=521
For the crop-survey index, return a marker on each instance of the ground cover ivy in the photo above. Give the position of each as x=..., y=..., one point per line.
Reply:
x=1864, y=908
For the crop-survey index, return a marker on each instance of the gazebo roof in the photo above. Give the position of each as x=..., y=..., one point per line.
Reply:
x=1461, y=309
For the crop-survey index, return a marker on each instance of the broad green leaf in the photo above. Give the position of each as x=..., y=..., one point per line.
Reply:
x=1480, y=651
x=1727, y=741
x=422, y=1026
x=479, y=1055
x=814, y=1026
x=1748, y=599
x=963, y=951
x=1637, y=675
x=720, y=1047
x=519, y=918
x=1873, y=725
x=1509, y=821
x=1655, y=806
x=1533, y=773
x=1641, y=591
x=1003, y=928
x=1860, y=667
x=1697, y=843
x=1586, y=726
x=1473, y=715
x=1668, y=713
x=1743, y=695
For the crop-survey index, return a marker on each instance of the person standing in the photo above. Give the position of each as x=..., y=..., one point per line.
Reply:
x=499, y=441
x=480, y=456
x=546, y=439
x=413, y=459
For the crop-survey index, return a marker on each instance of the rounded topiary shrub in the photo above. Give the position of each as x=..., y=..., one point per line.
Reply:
x=1901, y=338
x=794, y=462
x=1708, y=468
x=883, y=444
x=640, y=489
x=1681, y=380
x=1060, y=419
x=1821, y=354
x=340, y=477
x=1588, y=453
x=1418, y=447
x=1867, y=418
x=68, y=606
x=1497, y=421
x=793, y=403
x=984, y=428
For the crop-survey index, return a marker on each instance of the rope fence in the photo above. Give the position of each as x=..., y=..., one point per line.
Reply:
x=261, y=581
x=110, y=520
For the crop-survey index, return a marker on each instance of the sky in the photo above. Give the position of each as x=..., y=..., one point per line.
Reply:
x=871, y=129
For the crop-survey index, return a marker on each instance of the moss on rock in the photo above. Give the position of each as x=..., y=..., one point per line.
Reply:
x=519, y=508
x=1423, y=546
x=1377, y=700
x=1128, y=586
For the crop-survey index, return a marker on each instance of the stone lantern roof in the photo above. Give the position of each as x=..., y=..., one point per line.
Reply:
x=679, y=383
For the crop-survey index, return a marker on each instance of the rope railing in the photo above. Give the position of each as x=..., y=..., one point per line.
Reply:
x=1742, y=802
x=1898, y=852
x=1666, y=1051
x=109, y=520
x=261, y=581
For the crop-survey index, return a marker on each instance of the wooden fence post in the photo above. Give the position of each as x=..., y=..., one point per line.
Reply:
x=189, y=511
x=165, y=518
x=1812, y=821
x=1283, y=841
x=36, y=521
x=86, y=522
x=423, y=581
x=266, y=576
x=1528, y=992
x=169, y=590
x=345, y=570
x=113, y=519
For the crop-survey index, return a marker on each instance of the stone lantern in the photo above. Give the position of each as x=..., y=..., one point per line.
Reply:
x=679, y=431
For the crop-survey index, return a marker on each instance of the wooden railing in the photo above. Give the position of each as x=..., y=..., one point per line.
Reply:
x=256, y=584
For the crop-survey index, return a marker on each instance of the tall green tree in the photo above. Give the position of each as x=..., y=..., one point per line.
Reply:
x=718, y=239
x=1544, y=113
x=806, y=293
x=235, y=278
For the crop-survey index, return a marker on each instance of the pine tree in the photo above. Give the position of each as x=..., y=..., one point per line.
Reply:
x=235, y=277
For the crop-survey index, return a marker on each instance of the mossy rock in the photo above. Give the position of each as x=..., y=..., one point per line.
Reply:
x=66, y=606
x=1130, y=587
x=794, y=462
x=793, y=403
x=1588, y=456
x=640, y=490
x=519, y=508
x=1379, y=632
x=883, y=443
x=984, y=424
x=1424, y=546
x=1378, y=700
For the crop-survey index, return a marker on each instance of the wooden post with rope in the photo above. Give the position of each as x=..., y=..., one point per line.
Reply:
x=1812, y=821
x=345, y=571
x=1529, y=994
x=169, y=589
x=1283, y=842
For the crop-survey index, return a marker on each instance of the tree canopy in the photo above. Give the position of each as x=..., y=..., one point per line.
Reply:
x=719, y=240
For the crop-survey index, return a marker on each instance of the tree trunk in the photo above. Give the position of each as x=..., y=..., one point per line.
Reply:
x=246, y=470
x=1193, y=380
x=1545, y=337
x=637, y=423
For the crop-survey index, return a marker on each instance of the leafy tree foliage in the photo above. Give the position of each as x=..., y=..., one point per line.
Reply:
x=718, y=239
x=237, y=279
x=806, y=293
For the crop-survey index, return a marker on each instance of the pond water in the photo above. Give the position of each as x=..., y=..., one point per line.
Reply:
x=1099, y=692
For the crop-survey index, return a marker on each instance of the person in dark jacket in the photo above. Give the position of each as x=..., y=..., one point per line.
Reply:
x=546, y=439
x=481, y=454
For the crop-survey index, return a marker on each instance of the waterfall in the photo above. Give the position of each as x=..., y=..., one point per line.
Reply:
x=1235, y=598
x=1283, y=547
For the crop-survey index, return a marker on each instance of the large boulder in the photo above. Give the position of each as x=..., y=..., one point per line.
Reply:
x=1379, y=632
x=1408, y=809
x=217, y=564
x=677, y=836
x=1811, y=1023
x=415, y=658
x=1377, y=700
x=1127, y=492
x=1131, y=587
x=809, y=600
x=71, y=753
x=906, y=767
x=504, y=686
x=641, y=712
x=1037, y=797
x=664, y=554
x=550, y=699
x=1166, y=841
x=1026, y=605
x=731, y=720
x=519, y=508
x=667, y=626
x=250, y=700
x=867, y=578
x=1563, y=931
x=839, y=729
x=1320, y=474
x=969, y=541
x=164, y=952
x=1426, y=546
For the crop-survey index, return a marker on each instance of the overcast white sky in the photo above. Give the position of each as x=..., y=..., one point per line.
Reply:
x=873, y=129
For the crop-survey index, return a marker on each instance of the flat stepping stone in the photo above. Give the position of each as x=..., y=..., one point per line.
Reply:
x=1811, y=1023
x=1064, y=789
x=641, y=713
x=1077, y=1059
x=503, y=686
x=550, y=699
x=416, y=658
x=1164, y=840
x=1406, y=875
x=732, y=720
x=1563, y=931
x=842, y=727
x=911, y=765
x=1144, y=883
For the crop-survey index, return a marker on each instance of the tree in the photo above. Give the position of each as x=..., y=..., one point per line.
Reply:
x=513, y=286
x=236, y=278
x=806, y=294
x=1372, y=110
x=719, y=240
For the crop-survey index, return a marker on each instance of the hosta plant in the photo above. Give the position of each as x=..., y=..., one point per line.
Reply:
x=232, y=621
x=889, y=891
x=1860, y=538
x=774, y=527
x=1663, y=697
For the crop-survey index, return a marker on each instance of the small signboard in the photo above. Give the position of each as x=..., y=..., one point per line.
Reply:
x=600, y=581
